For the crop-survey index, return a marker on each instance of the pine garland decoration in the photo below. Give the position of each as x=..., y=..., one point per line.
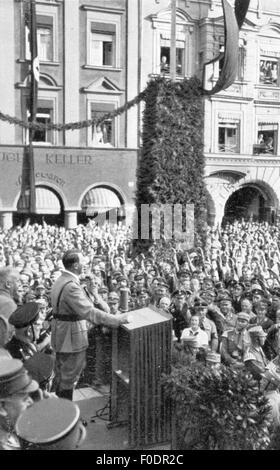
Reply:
x=171, y=164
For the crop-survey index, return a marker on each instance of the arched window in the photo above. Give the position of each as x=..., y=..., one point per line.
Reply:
x=162, y=42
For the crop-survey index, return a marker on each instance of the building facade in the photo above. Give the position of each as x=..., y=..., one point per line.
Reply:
x=83, y=53
x=242, y=142
x=95, y=55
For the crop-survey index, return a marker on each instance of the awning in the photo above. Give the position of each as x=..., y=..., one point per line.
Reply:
x=268, y=126
x=100, y=200
x=227, y=117
x=47, y=202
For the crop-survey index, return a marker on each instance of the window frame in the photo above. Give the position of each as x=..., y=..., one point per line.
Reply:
x=114, y=21
x=185, y=27
x=50, y=28
x=234, y=124
x=48, y=133
x=94, y=38
x=46, y=17
x=109, y=106
x=182, y=73
x=45, y=102
x=266, y=130
x=263, y=58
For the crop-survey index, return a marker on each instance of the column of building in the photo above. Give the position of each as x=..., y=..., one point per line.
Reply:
x=7, y=85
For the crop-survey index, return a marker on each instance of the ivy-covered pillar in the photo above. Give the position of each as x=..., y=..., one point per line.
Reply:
x=171, y=164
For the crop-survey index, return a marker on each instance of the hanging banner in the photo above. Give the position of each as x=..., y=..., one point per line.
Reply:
x=234, y=16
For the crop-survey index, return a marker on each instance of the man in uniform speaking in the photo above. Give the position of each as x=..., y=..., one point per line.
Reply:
x=72, y=309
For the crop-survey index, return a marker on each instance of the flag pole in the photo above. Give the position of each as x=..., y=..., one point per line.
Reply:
x=33, y=100
x=27, y=200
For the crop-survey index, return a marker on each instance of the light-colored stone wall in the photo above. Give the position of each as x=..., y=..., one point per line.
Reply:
x=7, y=69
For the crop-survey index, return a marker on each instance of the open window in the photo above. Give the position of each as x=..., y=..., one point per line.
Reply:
x=103, y=134
x=269, y=71
x=102, y=45
x=43, y=116
x=267, y=138
x=229, y=136
x=45, y=38
x=45, y=43
x=165, y=56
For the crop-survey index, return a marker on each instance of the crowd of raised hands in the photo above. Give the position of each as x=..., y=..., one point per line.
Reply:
x=239, y=262
x=223, y=296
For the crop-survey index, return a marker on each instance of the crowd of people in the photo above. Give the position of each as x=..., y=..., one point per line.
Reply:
x=224, y=300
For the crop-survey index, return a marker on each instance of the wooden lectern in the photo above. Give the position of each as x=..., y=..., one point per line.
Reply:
x=141, y=354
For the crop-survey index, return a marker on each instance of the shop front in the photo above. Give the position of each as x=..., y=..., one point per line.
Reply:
x=72, y=184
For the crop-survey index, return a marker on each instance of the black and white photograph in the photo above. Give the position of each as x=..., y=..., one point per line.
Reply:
x=139, y=227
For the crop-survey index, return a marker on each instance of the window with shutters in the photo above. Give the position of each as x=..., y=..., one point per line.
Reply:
x=102, y=50
x=229, y=136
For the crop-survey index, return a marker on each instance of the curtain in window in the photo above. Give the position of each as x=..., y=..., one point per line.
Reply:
x=45, y=44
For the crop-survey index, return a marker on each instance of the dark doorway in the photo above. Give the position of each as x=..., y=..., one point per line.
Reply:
x=247, y=203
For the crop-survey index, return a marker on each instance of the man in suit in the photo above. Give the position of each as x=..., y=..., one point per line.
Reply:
x=72, y=310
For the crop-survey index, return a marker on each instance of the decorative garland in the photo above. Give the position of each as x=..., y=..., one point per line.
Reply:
x=234, y=15
x=74, y=125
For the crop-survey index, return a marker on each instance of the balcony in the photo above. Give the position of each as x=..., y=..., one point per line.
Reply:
x=240, y=163
x=263, y=149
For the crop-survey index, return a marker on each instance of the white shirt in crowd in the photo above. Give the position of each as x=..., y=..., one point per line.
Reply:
x=200, y=335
